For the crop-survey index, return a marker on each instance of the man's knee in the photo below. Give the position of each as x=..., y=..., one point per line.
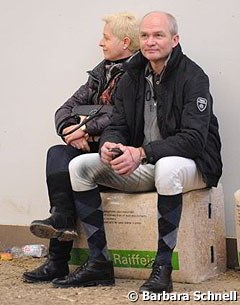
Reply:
x=82, y=171
x=77, y=165
x=83, y=165
x=168, y=176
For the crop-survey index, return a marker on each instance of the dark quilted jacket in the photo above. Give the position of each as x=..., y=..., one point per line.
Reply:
x=88, y=93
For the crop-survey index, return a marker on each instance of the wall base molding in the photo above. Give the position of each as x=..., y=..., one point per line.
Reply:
x=15, y=235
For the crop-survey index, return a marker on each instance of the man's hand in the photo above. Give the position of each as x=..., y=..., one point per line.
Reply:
x=124, y=164
x=106, y=154
x=127, y=162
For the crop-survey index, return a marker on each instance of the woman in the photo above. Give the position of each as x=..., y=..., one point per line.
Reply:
x=119, y=42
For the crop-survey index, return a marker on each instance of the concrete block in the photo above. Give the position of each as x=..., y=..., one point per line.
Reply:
x=131, y=228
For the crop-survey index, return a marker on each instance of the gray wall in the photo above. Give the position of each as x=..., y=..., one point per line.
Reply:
x=46, y=47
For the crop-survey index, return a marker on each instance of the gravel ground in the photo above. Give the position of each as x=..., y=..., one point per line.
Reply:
x=13, y=291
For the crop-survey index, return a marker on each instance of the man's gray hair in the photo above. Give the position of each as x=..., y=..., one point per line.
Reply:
x=173, y=26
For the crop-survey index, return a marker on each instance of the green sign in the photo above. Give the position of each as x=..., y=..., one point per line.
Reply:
x=124, y=258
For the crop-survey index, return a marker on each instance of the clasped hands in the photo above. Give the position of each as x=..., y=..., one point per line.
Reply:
x=124, y=164
x=78, y=139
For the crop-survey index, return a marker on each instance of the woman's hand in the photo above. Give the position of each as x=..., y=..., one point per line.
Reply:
x=77, y=134
x=78, y=139
x=81, y=143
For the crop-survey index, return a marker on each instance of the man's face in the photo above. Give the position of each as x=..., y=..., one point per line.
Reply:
x=156, y=41
x=112, y=46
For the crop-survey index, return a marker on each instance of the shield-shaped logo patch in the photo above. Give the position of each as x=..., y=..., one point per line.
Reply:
x=201, y=103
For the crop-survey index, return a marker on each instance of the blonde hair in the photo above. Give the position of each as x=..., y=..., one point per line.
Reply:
x=125, y=25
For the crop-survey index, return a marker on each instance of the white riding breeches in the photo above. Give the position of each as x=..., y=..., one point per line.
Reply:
x=169, y=176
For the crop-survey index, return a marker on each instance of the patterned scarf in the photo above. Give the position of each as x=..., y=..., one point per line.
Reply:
x=113, y=74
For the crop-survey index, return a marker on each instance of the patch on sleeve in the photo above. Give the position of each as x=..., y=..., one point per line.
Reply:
x=201, y=103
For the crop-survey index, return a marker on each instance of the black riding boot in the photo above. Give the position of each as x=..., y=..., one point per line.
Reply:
x=98, y=270
x=55, y=266
x=169, y=211
x=61, y=224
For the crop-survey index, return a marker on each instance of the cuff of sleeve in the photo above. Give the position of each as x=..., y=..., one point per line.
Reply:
x=83, y=128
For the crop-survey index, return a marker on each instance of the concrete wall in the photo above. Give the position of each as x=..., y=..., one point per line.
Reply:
x=46, y=47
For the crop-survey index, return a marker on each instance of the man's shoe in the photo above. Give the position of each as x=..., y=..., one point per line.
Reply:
x=92, y=273
x=160, y=280
x=57, y=226
x=46, y=272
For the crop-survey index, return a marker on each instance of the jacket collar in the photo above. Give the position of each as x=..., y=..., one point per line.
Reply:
x=139, y=62
x=99, y=70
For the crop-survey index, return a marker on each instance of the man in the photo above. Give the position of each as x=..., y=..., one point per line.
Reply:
x=164, y=125
x=119, y=42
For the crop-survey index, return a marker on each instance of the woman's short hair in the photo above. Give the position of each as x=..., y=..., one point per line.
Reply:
x=125, y=25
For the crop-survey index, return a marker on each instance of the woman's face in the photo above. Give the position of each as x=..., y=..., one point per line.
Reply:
x=113, y=48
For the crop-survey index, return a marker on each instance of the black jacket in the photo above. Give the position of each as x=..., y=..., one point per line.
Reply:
x=184, y=113
x=87, y=94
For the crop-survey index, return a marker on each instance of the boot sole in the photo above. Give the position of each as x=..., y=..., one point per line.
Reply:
x=168, y=289
x=87, y=284
x=28, y=280
x=45, y=231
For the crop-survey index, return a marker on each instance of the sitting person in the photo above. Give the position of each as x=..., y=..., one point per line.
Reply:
x=168, y=140
x=119, y=43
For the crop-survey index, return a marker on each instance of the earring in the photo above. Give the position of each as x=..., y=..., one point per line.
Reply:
x=124, y=48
